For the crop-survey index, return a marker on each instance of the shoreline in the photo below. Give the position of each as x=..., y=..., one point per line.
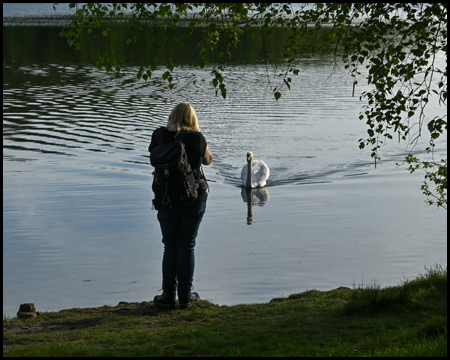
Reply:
x=405, y=320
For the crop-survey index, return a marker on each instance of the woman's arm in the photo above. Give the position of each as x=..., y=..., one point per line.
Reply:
x=208, y=157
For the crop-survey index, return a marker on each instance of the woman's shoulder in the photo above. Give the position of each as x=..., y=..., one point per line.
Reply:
x=168, y=134
x=187, y=136
x=162, y=130
x=195, y=141
x=192, y=135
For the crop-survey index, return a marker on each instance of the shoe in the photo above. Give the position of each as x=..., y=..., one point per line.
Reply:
x=166, y=301
x=188, y=299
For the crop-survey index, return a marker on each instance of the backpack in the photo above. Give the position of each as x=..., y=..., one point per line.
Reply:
x=174, y=183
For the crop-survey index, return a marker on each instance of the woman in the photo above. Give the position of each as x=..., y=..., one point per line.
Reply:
x=179, y=226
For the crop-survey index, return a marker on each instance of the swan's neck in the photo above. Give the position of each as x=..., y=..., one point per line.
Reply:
x=248, y=185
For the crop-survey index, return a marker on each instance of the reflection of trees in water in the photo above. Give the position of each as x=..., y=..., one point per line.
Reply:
x=257, y=196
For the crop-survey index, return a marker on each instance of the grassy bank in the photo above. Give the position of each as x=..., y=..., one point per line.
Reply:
x=405, y=320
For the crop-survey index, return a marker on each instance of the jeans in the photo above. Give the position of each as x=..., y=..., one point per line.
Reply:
x=179, y=228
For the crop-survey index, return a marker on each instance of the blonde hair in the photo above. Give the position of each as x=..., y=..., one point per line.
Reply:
x=183, y=116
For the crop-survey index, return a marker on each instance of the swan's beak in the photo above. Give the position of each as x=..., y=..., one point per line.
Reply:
x=249, y=155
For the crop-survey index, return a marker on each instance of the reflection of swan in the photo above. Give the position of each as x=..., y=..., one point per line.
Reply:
x=254, y=197
x=257, y=196
x=254, y=173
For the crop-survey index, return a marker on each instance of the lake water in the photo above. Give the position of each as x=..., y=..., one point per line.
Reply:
x=78, y=228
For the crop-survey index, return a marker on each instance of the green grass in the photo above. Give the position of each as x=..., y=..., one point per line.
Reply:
x=405, y=320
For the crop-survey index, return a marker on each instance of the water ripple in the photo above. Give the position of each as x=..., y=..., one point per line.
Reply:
x=77, y=111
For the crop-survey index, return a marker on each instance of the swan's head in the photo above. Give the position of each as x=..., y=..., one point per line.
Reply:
x=249, y=155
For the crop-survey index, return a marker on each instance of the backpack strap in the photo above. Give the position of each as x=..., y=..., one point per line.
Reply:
x=201, y=175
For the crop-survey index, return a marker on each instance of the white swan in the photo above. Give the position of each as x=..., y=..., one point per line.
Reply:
x=255, y=173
